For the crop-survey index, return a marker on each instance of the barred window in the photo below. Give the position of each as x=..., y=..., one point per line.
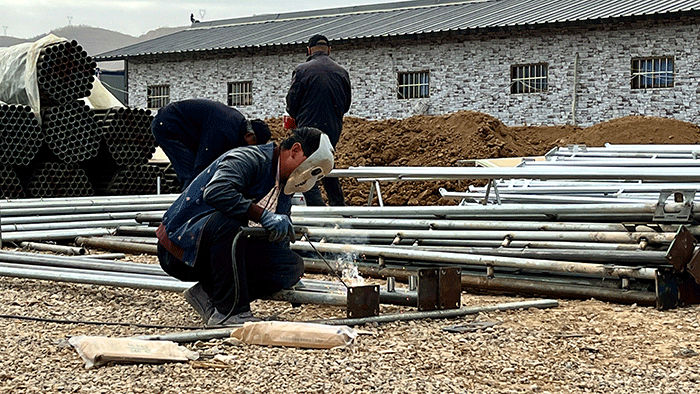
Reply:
x=652, y=72
x=528, y=78
x=158, y=96
x=414, y=85
x=240, y=93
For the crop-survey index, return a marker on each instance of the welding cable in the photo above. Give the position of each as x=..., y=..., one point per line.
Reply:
x=102, y=323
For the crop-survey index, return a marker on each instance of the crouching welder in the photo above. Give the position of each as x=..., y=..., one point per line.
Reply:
x=252, y=183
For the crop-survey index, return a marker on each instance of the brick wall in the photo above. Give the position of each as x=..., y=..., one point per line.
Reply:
x=468, y=71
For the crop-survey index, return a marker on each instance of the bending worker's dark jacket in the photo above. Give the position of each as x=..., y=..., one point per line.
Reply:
x=320, y=95
x=206, y=127
x=230, y=185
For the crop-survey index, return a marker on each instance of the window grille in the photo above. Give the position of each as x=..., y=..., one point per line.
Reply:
x=158, y=96
x=414, y=85
x=240, y=93
x=653, y=72
x=528, y=78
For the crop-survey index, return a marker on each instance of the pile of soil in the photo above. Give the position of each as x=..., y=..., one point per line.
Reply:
x=444, y=140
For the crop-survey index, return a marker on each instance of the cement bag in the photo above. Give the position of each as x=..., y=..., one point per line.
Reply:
x=98, y=351
x=290, y=334
x=18, y=75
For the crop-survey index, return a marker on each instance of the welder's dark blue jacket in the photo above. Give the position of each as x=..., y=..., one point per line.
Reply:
x=207, y=128
x=230, y=185
x=320, y=95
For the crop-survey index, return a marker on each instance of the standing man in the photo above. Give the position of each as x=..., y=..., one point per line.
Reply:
x=194, y=132
x=251, y=183
x=319, y=97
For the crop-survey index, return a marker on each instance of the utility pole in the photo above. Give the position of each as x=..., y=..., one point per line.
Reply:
x=70, y=18
x=5, y=28
x=201, y=14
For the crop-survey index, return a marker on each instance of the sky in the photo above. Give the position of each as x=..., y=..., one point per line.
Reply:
x=30, y=18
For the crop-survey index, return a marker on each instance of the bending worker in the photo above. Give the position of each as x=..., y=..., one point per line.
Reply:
x=252, y=183
x=193, y=133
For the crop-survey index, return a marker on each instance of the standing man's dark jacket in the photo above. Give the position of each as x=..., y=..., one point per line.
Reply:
x=320, y=95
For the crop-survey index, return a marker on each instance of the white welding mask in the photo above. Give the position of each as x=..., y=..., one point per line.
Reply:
x=315, y=167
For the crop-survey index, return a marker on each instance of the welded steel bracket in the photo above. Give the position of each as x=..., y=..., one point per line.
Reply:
x=681, y=249
x=683, y=196
x=674, y=289
x=363, y=301
x=693, y=266
x=439, y=288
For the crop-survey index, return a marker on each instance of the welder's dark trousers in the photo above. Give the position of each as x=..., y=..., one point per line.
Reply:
x=262, y=267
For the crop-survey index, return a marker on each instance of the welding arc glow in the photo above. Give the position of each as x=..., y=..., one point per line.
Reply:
x=325, y=261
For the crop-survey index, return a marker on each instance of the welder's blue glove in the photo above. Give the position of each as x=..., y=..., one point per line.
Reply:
x=278, y=225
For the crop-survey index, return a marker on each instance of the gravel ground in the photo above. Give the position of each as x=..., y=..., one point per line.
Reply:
x=579, y=347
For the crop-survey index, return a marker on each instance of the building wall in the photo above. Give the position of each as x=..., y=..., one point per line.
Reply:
x=468, y=71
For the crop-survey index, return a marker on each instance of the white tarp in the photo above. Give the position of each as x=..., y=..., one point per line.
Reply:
x=18, y=75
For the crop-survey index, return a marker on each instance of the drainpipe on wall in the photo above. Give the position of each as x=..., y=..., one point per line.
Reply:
x=573, y=91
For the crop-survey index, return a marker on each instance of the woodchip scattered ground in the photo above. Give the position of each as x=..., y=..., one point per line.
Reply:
x=581, y=346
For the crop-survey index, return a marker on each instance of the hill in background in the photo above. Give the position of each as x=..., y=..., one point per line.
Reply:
x=96, y=40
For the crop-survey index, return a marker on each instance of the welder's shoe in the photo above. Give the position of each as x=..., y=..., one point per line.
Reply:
x=219, y=319
x=200, y=301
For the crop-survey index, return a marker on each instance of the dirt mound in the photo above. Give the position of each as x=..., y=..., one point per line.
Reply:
x=636, y=130
x=444, y=140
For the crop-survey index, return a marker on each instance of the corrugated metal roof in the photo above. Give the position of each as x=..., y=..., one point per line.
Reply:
x=391, y=19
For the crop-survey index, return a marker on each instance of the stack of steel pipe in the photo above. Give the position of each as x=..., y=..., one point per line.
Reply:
x=10, y=186
x=70, y=132
x=58, y=180
x=126, y=136
x=20, y=135
x=65, y=73
x=45, y=219
x=134, y=179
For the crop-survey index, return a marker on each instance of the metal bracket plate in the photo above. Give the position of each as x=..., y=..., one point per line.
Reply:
x=450, y=288
x=363, y=301
x=681, y=249
x=667, y=291
x=428, y=289
x=660, y=215
x=693, y=266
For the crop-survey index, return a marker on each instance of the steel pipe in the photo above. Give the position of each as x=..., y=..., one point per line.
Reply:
x=486, y=261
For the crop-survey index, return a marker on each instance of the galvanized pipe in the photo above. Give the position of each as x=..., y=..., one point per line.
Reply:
x=208, y=334
x=112, y=245
x=71, y=218
x=85, y=263
x=54, y=235
x=44, y=273
x=489, y=211
x=82, y=209
x=486, y=261
x=454, y=224
x=571, y=236
x=69, y=250
x=455, y=173
x=9, y=228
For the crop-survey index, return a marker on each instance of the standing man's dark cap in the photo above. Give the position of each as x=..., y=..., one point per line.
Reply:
x=317, y=39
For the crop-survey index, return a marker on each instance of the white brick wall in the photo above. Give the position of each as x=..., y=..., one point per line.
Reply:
x=467, y=72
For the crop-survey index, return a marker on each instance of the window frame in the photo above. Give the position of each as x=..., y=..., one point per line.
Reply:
x=247, y=96
x=413, y=86
x=154, y=99
x=522, y=83
x=653, y=74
